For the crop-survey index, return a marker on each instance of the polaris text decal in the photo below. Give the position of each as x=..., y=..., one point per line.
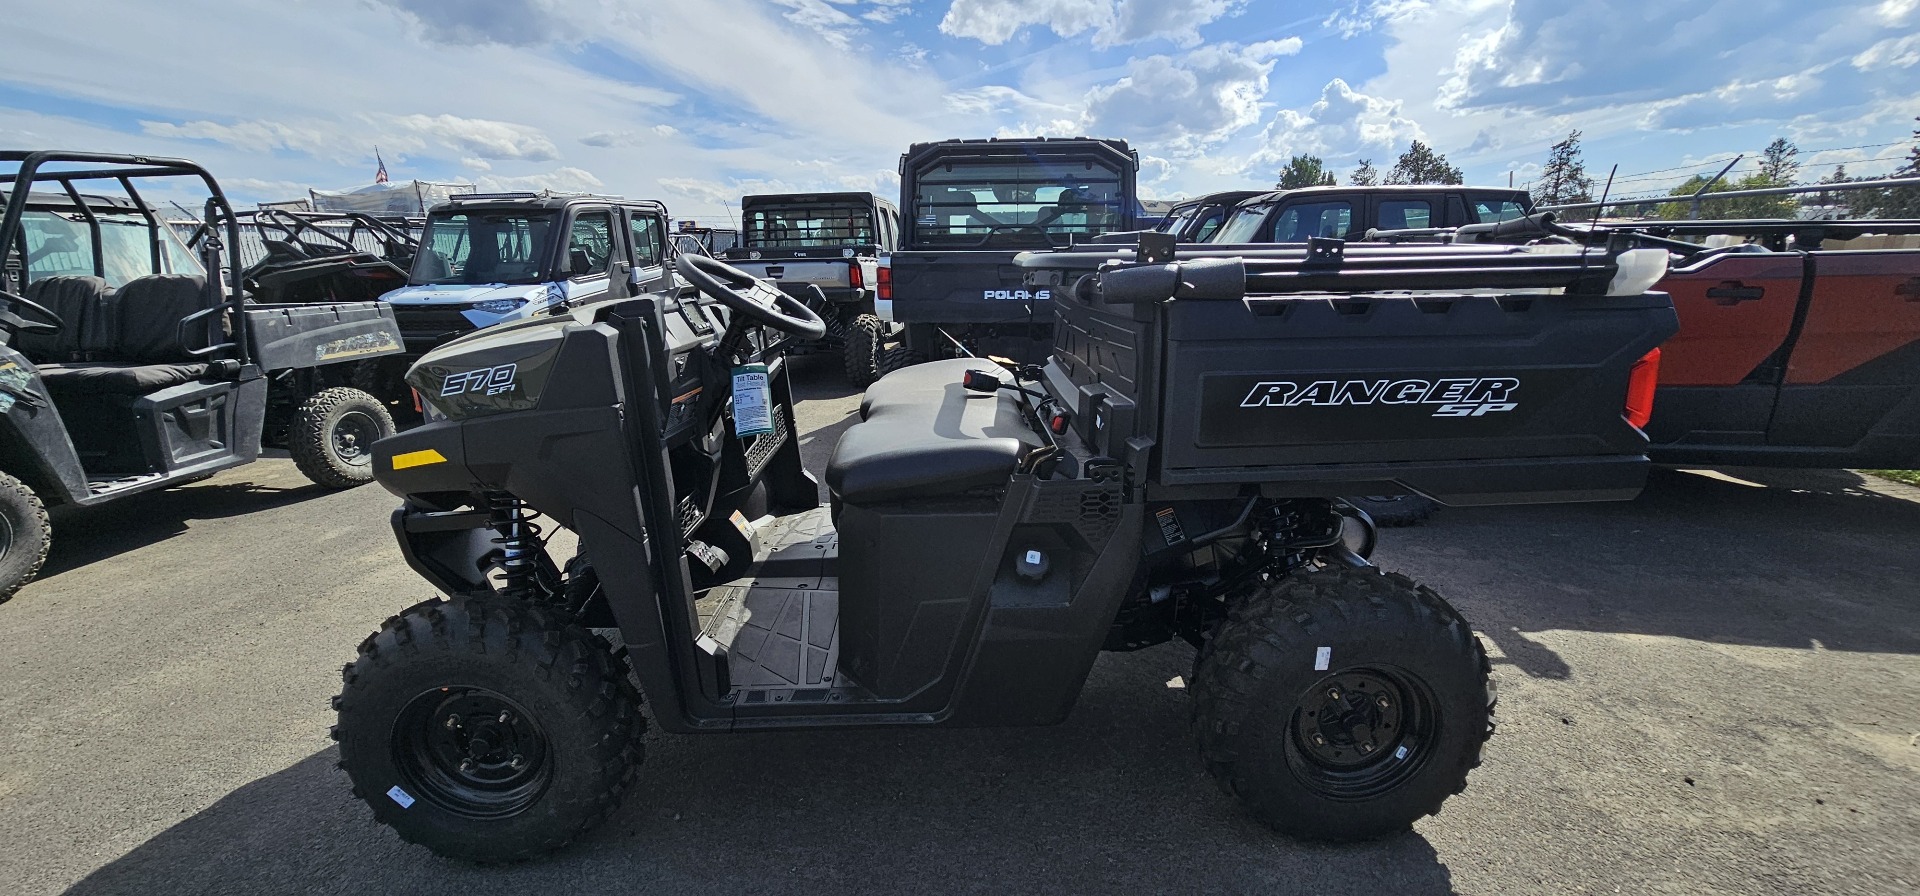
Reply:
x=491, y=380
x=1018, y=295
x=1465, y=397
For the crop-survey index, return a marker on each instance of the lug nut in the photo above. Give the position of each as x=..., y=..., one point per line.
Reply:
x=1333, y=693
x=1319, y=741
x=466, y=766
x=1366, y=747
x=1383, y=701
x=505, y=717
x=453, y=722
x=517, y=762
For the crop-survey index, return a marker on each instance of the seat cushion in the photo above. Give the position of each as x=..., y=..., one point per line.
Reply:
x=922, y=383
x=82, y=303
x=923, y=439
x=116, y=379
x=149, y=311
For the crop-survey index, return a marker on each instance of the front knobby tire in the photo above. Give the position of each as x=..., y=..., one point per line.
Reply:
x=332, y=436
x=1364, y=747
x=860, y=354
x=488, y=729
x=25, y=535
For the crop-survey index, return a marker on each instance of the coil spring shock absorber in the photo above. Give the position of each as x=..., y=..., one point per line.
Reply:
x=520, y=543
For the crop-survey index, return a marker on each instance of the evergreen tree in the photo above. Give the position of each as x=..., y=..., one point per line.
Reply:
x=1421, y=165
x=1564, y=180
x=1839, y=176
x=1364, y=176
x=1777, y=162
x=1903, y=202
x=1304, y=171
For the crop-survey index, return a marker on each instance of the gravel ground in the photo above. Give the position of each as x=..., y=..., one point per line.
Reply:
x=1713, y=689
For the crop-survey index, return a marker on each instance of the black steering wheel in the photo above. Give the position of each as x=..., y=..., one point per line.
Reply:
x=11, y=320
x=751, y=297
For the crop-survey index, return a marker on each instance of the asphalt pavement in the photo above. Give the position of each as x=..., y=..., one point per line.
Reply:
x=1712, y=689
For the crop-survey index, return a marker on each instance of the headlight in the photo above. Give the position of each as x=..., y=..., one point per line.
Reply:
x=498, y=306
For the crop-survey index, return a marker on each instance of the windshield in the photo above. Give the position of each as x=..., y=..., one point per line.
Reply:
x=804, y=226
x=1242, y=224
x=1022, y=200
x=61, y=244
x=483, y=247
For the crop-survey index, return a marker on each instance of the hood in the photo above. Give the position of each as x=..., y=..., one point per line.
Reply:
x=465, y=294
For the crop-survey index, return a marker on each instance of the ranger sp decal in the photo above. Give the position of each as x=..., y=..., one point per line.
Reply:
x=490, y=380
x=1464, y=397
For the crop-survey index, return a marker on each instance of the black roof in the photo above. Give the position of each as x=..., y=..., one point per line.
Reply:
x=813, y=198
x=1223, y=197
x=1394, y=189
x=1005, y=146
x=548, y=201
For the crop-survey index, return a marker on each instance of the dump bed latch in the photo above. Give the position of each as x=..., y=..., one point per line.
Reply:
x=1154, y=248
x=1325, y=250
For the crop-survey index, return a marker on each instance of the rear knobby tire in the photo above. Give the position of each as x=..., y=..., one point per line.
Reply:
x=896, y=358
x=25, y=535
x=332, y=436
x=508, y=682
x=860, y=354
x=1370, y=744
x=1396, y=511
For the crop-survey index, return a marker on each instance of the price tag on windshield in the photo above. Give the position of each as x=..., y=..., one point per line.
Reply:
x=752, y=401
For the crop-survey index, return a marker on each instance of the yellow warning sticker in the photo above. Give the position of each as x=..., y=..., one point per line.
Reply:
x=418, y=459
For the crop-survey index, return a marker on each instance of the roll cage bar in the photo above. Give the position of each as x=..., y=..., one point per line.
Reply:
x=124, y=170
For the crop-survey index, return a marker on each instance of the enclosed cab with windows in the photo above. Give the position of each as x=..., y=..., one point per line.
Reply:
x=969, y=206
x=1196, y=220
x=1295, y=216
x=833, y=242
x=491, y=258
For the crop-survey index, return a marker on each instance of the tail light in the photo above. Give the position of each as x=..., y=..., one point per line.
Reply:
x=883, y=285
x=855, y=278
x=1641, y=384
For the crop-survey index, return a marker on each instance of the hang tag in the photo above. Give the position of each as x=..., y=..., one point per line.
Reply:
x=752, y=401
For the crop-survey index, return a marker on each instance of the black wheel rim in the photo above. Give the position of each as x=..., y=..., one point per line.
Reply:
x=1359, y=733
x=353, y=437
x=472, y=752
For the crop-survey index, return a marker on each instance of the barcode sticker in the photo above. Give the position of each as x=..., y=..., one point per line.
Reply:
x=402, y=797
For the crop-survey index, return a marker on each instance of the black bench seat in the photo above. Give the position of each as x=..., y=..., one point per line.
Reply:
x=924, y=436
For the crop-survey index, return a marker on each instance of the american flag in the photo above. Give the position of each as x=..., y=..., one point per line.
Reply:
x=379, y=175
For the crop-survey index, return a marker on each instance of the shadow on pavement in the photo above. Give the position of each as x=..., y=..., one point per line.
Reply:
x=1113, y=800
x=1804, y=559
x=83, y=535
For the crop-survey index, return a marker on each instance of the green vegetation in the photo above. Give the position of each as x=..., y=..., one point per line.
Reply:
x=1910, y=477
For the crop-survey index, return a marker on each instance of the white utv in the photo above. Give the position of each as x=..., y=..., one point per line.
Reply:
x=491, y=258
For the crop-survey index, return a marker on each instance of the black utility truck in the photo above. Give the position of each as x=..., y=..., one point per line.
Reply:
x=836, y=242
x=1170, y=472
x=970, y=206
x=126, y=369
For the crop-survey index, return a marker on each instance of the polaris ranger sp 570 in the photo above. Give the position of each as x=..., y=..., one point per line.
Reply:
x=1169, y=473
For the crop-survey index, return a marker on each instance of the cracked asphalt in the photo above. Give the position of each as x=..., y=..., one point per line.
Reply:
x=1712, y=689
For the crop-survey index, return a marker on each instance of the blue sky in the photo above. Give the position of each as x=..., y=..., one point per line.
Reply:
x=699, y=101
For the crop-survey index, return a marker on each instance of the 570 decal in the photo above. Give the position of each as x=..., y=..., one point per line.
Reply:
x=490, y=380
x=1463, y=397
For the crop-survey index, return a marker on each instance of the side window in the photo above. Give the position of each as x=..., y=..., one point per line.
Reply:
x=1405, y=214
x=1496, y=210
x=1209, y=223
x=649, y=248
x=589, y=245
x=56, y=246
x=1300, y=222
